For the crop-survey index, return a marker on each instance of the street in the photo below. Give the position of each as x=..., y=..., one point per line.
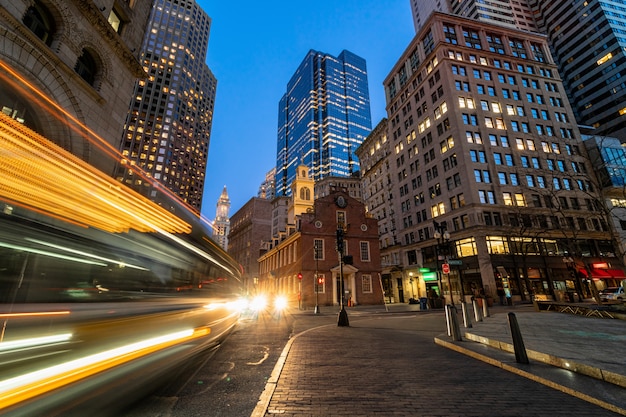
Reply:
x=399, y=371
x=228, y=380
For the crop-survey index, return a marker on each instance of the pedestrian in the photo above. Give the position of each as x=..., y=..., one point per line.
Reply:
x=501, y=295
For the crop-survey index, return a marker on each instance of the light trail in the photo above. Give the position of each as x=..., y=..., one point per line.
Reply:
x=30, y=385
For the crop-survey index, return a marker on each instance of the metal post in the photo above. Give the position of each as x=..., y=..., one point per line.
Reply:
x=342, y=320
x=453, y=322
x=467, y=322
x=485, y=308
x=316, y=283
x=518, y=342
x=478, y=316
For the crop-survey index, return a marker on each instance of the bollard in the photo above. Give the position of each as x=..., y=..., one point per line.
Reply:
x=478, y=315
x=453, y=323
x=485, y=308
x=518, y=342
x=448, y=324
x=467, y=321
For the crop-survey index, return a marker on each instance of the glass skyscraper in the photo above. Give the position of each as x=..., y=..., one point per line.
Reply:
x=323, y=118
x=168, y=127
x=588, y=41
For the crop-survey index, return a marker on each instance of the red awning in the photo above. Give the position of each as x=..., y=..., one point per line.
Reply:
x=603, y=273
x=595, y=273
x=616, y=273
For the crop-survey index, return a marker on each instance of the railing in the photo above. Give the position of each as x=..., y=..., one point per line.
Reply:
x=578, y=309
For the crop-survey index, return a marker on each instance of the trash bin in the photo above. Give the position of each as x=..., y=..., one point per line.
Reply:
x=423, y=303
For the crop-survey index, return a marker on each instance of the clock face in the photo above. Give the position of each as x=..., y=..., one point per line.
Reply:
x=341, y=201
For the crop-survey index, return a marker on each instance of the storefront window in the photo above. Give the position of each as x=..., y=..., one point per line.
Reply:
x=553, y=248
x=524, y=246
x=497, y=245
x=466, y=247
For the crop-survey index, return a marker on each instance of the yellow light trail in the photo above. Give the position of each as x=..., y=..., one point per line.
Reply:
x=35, y=172
x=27, y=386
x=45, y=103
x=33, y=314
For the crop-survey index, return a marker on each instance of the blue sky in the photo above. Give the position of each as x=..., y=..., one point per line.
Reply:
x=254, y=49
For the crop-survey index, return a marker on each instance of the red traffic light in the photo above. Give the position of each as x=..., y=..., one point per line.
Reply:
x=300, y=275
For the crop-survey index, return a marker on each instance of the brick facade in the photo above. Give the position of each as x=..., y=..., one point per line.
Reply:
x=280, y=267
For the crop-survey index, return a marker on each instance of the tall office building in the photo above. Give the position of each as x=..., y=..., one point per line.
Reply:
x=509, y=13
x=487, y=167
x=323, y=117
x=169, y=123
x=586, y=40
x=588, y=43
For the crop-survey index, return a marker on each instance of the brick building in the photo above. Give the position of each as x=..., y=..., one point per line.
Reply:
x=250, y=227
x=291, y=266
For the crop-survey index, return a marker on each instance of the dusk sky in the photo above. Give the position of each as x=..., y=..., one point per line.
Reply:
x=254, y=49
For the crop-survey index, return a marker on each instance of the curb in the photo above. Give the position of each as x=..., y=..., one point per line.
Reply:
x=511, y=368
x=260, y=410
x=592, y=371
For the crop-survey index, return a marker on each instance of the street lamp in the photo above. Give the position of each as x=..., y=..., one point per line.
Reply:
x=342, y=320
x=316, y=284
x=443, y=240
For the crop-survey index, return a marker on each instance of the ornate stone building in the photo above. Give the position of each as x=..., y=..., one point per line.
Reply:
x=67, y=70
x=221, y=224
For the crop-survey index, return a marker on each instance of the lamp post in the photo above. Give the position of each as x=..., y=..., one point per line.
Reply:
x=316, y=279
x=342, y=320
x=443, y=239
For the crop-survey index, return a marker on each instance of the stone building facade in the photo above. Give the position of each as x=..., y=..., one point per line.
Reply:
x=67, y=70
x=484, y=146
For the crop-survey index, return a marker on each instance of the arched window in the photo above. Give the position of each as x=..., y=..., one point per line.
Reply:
x=305, y=194
x=39, y=20
x=86, y=67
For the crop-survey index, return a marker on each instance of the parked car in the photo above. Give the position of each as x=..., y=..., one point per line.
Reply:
x=612, y=294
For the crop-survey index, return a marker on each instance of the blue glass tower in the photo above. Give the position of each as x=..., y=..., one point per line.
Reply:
x=323, y=118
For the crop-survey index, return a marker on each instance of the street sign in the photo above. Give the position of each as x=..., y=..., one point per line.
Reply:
x=455, y=262
x=445, y=268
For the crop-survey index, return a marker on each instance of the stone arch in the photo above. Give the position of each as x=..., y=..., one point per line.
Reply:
x=43, y=74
